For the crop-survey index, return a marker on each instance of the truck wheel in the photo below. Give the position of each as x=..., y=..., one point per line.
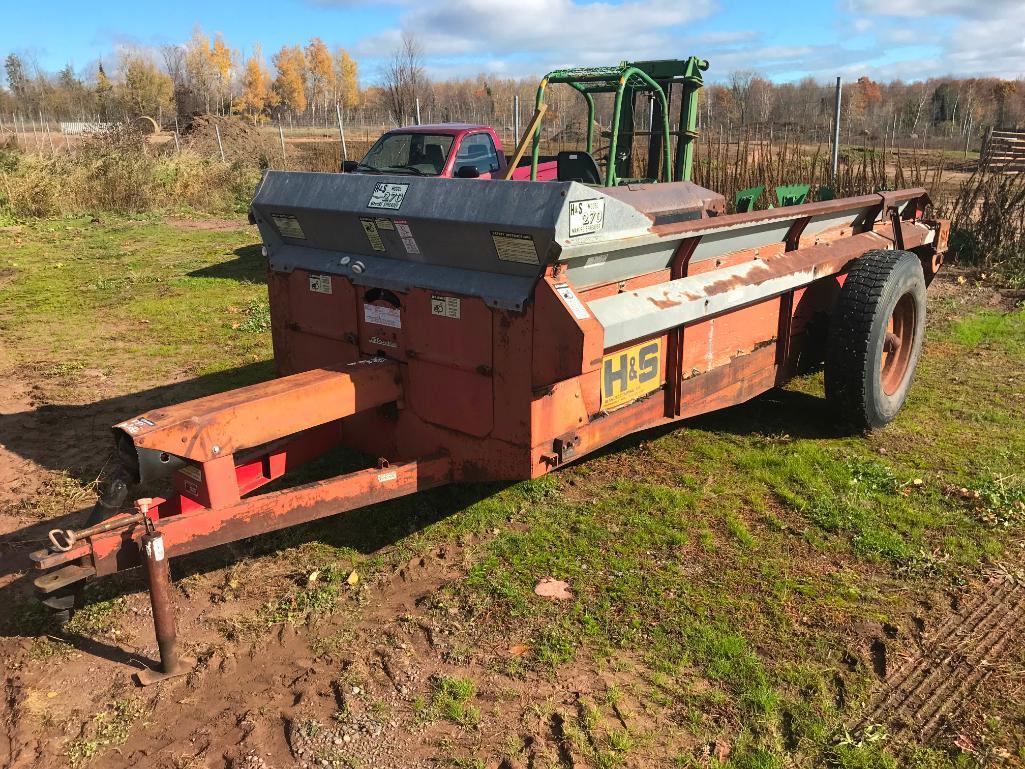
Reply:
x=875, y=338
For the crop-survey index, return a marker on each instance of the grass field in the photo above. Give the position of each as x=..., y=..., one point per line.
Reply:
x=743, y=586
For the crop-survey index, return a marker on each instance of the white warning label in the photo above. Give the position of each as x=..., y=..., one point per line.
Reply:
x=320, y=284
x=445, y=306
x=406, y=233
x=382, y=316
x=515, y=247
x=579, y=311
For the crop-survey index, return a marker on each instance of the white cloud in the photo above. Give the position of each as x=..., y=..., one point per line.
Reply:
x=574, y=31
x=908, y=39
x=933, y=8
x=974, y=37
x=989, y=46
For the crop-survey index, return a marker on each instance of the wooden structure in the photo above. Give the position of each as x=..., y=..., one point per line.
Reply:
x=1004, y=150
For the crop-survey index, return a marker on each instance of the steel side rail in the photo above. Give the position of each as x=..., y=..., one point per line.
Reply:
x=189, y=532
x=642, y=313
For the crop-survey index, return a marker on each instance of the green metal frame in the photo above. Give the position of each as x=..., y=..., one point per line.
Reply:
x=591, y=80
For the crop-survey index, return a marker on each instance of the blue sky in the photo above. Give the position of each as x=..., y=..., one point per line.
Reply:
x=885, y=39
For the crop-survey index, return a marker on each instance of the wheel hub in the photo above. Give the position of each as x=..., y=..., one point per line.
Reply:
x=897, y=344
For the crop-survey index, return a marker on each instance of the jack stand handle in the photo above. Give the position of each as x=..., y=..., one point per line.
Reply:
x=159, y=579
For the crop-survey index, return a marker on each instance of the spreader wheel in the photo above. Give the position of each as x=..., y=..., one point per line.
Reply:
x=875, y=338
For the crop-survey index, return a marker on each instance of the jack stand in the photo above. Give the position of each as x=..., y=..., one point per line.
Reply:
x=158, y=576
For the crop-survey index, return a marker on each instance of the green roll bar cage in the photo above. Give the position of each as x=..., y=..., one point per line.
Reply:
x=638, y=77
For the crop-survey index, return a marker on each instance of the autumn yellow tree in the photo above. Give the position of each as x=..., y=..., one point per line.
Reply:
x=200, y=67
x=346, y=79
x=290, y=83
x=257, y=95
x=103, y=90
x=321, y=72
x=142, y=88
x=220, y=63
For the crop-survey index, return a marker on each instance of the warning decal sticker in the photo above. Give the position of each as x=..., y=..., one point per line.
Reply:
x=445, y=306
x=408, y=242
x=382, y=316
x=579, y=311
x=515, y=247
x=370, y=228
x=384, y=224
x=320, y=284
x=387, y=195
x=288, y=226
x=629, y=374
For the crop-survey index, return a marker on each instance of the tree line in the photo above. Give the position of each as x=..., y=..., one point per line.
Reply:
x=203, y=75
x=307, y=82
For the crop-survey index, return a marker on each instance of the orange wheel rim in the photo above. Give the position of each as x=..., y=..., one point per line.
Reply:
x=897, y=344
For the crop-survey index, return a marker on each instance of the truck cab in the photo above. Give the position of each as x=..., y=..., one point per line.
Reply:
x=449, y=150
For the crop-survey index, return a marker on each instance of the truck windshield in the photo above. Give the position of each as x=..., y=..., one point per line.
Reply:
x=412, y=153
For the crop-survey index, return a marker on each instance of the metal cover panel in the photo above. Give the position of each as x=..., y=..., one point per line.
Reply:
x=482, y=238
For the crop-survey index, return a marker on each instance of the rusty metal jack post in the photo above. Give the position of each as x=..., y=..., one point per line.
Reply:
x=159, y=579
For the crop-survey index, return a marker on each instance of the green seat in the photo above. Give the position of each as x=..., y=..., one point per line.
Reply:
x=825, y=193
x=792, y=194
x=745, y=199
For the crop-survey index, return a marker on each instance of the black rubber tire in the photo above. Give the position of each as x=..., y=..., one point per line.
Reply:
x=114, y=492
x=858, y=332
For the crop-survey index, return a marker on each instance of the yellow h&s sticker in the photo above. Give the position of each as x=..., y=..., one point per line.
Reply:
x=629, y=374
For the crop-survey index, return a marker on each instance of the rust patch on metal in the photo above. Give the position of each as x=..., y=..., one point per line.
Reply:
x=663, y=304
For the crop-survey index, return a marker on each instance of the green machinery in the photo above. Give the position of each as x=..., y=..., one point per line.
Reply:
x=658, y=79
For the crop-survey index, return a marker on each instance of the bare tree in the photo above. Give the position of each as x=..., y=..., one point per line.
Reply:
x=186, y=100
x=404, y=78
x=740, y=88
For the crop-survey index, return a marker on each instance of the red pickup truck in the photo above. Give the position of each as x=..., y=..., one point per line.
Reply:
x=449, y=149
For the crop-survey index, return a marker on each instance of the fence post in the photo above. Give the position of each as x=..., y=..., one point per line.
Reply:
x=836, y=129
x=44, y=129
x=516, y=118
x=220, y=147
x=341, y=133
x=281, y=136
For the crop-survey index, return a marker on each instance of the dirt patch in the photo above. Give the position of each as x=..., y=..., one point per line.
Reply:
x=19, y=477
x=965, y=287
x=929, y=691
x=358, y=688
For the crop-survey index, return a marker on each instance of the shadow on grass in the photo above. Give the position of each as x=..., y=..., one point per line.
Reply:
x=249, y=266
x=76, y=438
x=774, y=413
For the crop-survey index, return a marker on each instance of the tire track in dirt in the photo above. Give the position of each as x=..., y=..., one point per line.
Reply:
x=953, y=662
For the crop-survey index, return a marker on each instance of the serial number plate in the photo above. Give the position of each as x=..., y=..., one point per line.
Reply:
x=388, y=195
x=586, y=216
